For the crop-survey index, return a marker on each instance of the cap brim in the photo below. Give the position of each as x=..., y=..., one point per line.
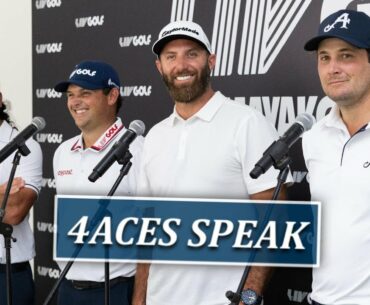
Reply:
x=160, y=43
x=63, y=86
x=313, y=44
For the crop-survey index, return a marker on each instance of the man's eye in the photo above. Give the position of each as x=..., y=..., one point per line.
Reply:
x=346, y=55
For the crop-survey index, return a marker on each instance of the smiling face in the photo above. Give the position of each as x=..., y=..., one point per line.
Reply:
x=344, y=72
x=185, y=67
x=91, y=110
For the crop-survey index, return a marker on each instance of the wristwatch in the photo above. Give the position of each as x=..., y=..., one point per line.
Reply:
x=250, y=297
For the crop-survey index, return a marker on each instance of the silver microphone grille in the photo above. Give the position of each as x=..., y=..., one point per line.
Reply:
x=39, y=122
x=138, y=127
x=306, y=120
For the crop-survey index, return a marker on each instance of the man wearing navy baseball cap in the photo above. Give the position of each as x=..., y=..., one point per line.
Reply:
x=93, y=99
x=336, y=152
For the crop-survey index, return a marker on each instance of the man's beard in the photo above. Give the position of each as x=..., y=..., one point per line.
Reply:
x=189, y=93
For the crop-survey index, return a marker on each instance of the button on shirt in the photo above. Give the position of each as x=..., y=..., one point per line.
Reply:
x=30, y=169
x=339, y=177
x=73, y=165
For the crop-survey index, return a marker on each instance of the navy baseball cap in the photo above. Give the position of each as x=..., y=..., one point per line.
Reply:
x=181, y=29
x=348, y=25
x=91, y=75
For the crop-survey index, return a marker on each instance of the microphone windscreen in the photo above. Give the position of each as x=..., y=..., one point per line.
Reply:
x=306, y=120
x=138, y=127
x=39, y=122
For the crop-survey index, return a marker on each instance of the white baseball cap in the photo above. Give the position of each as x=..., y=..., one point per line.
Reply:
x=181, y=29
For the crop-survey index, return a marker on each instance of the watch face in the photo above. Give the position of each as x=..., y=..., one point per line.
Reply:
x=249, y=297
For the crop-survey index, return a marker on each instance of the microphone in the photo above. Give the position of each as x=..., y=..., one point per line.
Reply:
x=38, y=123
x=118, y=150
x=280, y=148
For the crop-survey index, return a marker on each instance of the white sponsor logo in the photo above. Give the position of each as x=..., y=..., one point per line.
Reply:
x=329, y=6
x=53, y=47
x=89, y=21
x=48, y=182
x=41, y=4
x=48, y=272
x=343, y=19
x=136, y=90
x=112, y=83
x=49, y=138
x=297, y=295
x=136, y=41
x=266, y=27
x=47, y=93
x=45, y=227
x=83, y=72
x=282, y=110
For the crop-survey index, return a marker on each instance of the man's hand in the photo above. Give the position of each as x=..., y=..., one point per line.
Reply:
x=17, y=185
x=19, y=202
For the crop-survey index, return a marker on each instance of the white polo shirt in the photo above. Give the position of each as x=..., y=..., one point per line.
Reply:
x=30, y=169
x=73, y=165
x=208, y=155
x=339, y=177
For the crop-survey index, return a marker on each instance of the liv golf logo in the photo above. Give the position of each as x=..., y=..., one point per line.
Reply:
x=41, y=4
x=266, y=27
x=89, y=21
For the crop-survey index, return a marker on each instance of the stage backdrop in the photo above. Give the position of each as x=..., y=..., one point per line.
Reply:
x=260, y=62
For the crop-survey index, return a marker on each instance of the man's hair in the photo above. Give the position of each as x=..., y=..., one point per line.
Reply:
x=3, y=115
x=119, y=98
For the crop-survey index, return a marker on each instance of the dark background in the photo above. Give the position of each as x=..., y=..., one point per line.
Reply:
x=283, y=83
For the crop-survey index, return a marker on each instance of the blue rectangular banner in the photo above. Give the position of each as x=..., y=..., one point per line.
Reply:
x=188, y=231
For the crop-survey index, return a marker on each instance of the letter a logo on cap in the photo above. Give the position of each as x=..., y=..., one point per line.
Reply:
x=343, y=19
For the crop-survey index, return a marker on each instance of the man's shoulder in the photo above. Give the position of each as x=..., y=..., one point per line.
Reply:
x=317, y=128
x=239, y=109
x=316, y=135
x=159, y=127
x=68, y=144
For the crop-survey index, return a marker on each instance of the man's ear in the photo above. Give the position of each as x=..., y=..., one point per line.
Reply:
x=159, y=66
x=212, y=61
x=113, y=95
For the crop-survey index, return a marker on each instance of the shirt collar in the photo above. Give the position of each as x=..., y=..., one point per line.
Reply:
x=335, y=120
x=206, y=113
x=105, y=139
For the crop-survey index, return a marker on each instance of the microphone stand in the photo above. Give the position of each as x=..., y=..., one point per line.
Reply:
x=5, y=229
x=283, y=167
x=126, y=165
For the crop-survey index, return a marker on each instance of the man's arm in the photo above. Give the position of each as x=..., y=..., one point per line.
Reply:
x=141, y=280
x=19, y=202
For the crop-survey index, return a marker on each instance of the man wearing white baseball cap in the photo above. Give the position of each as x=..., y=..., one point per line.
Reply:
x=184, y=157
x=336, y=152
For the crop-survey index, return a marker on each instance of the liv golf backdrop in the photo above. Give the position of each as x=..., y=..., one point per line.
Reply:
x=260, y=62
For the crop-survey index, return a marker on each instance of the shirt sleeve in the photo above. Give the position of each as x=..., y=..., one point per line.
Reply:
x=136, y=150
x=30, y=166
x=254, y=136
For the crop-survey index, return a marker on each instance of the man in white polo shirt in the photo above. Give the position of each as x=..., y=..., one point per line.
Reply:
x=24, y=192
x=93, y=99
x=337, y=154
x=204, y=149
